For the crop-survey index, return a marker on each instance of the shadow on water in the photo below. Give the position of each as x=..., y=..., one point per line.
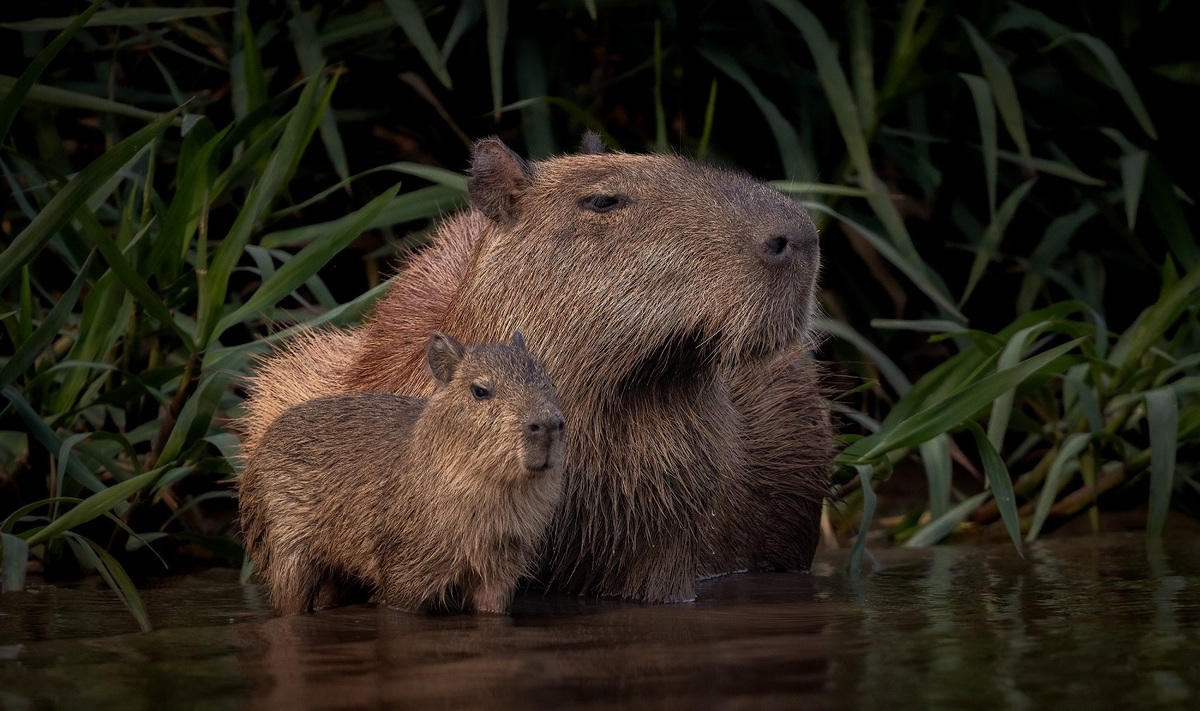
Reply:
x=1080, y=622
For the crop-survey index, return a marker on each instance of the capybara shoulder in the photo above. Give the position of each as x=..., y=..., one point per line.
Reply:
x=422, y=502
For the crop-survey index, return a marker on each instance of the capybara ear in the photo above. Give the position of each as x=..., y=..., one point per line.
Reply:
x=591, y=144
x=498, y=177
x=444, y=354
x=518, y=341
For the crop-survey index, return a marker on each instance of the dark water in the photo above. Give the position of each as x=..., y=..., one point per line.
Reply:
x=1079, y=623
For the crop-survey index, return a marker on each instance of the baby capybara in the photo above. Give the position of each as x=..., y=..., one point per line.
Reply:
x=672, y=304
x=423, y=503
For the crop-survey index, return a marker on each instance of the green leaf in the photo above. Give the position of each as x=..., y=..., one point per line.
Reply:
x=1010, y=356
x=112, y=572
x=14, y=554
x=935, y=457
x=15, y=93
x=1133, y=175
x=854, y=560
x=497, y=34
x=91, y=507
x=887, y=368
x=49, y=438
x=1162, y=416
x=312, y=63
x=795, y=160
x=1000, y=482
x=947, y=413
x=985, y=110
x=1152, y=323
x=1066, y=462
x=66, y=203
x=1003, y=89
x=310, y=259
x=409, y=17
x=48, y=331
x=1120, y=79
x=120, y=17
x=989, y=244
x=945, y=524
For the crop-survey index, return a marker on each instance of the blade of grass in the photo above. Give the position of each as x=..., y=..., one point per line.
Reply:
x=20, y=88
x=14, y=555
x=88, y=551
x=48, y=331
x=91, y=507
x=49, y=438
x=497, y=34
x=1003, y=89
x=1162, y=416
x=62, y=207
x=854, y=560
x=1065, y=463
x=409, y=17
x=935, y=458
x=985, y=110
x=305, y=264
x=989, y=243
x=945, y=524
x=950, y=411
x=1000, y=482
x=119, y=17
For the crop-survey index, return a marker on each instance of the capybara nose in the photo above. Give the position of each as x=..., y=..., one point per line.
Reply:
x=786, y=246
x=550, y=427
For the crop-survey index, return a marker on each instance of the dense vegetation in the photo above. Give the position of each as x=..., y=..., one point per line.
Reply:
x=1011, y=268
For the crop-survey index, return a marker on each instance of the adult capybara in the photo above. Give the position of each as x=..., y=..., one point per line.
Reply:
x=672, y=304
x=423, y=503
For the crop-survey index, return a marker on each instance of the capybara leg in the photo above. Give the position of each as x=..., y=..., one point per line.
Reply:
x=293, y=585
x=492, y=598
x=330, y=593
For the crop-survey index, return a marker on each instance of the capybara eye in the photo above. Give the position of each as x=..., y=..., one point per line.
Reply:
x=604, y=203
x=480, y=392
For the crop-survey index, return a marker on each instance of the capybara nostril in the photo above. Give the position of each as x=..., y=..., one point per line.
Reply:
x=786, y=246
x=534, y=428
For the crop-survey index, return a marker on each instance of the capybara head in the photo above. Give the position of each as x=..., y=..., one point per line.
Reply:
x=503, y=393
x=637, y=267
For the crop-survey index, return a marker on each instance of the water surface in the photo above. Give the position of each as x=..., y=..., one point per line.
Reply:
x=1090, y=622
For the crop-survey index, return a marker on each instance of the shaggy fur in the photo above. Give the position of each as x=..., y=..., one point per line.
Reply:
x=437, y=503
x=671, y=303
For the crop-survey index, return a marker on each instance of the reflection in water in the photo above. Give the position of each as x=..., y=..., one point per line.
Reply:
x=1077, y=622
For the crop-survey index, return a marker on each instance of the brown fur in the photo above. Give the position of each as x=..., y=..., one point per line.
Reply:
x=675, y=325
x=418, y=501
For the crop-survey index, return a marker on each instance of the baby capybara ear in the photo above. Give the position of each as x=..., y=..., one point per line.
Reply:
x=498, y=177
x=518, y=341
x=444, y=354
x=592, y=144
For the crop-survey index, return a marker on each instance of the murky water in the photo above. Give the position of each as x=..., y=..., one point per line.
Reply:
x=1078, y=623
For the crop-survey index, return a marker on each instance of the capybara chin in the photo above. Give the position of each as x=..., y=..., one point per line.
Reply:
x=672, y=304
x=424, y=504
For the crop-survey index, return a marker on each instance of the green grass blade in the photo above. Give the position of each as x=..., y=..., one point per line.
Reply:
x=935, y=458
x=62, y=207
x=497, y=35
x=1009, y=356
x=1003, y=88
x=989, y=244
x=310, y=259
x=49, y=438
x=197, y=413
x=48, y=331
x=887, y=367
x=112, y=572
x=91, y=507
x=1066, y=462
x=312, y=63
x=409, y=17
x=1162, y=416
x=945, y=524
x=949, y=412
x=854, y=560
x=710, y=113
x=1000, y=482
x=20, y=88
x=1167, y=209
x=985, y=110
x=1133, y=176
x=1153, y=323
x=862, y=59
x=795, y=160
x=1120, y=79
x=14, y=555
x=119, y=17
